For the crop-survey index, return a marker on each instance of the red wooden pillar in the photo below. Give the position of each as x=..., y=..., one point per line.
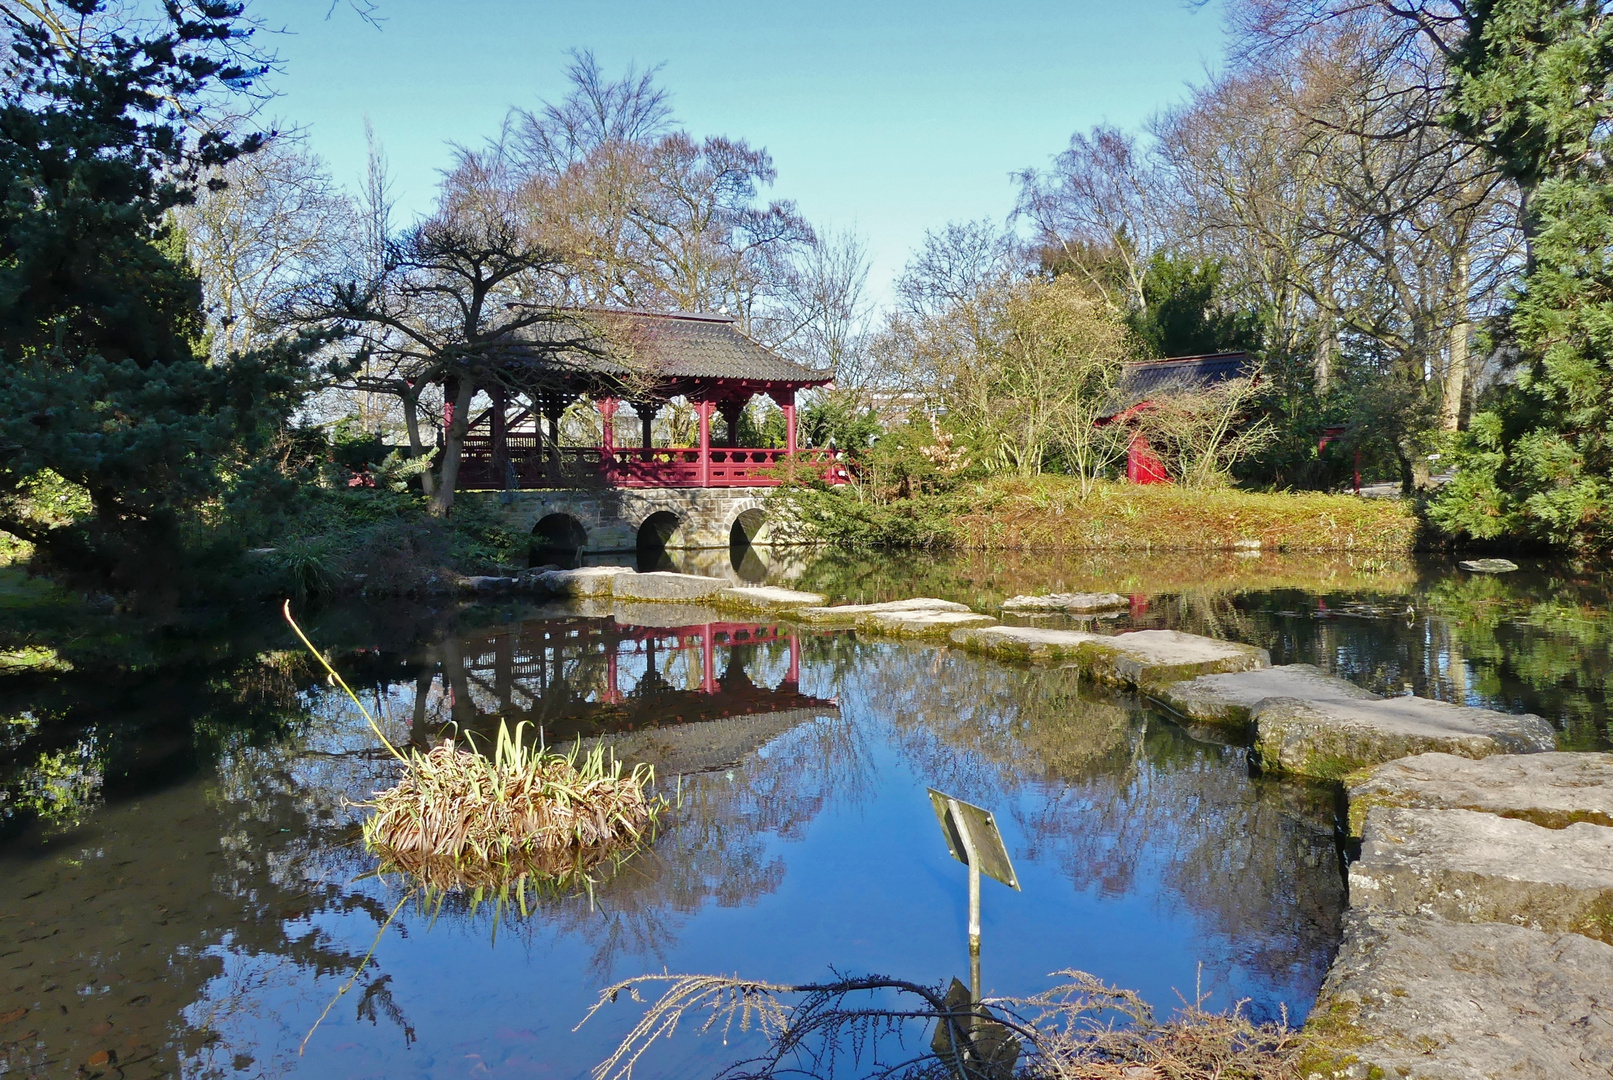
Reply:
x=607, y=438
x=787, y=406
x=704, y=410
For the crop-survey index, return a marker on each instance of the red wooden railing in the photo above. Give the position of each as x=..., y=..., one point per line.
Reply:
x=637, y=467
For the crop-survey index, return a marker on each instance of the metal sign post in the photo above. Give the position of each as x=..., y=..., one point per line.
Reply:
x=972, y=838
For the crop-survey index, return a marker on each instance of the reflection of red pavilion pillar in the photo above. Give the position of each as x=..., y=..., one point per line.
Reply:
x=613, y=695
x=794, y=677
x=708, y=662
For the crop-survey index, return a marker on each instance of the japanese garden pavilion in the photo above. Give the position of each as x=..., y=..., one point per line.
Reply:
x=652, y=358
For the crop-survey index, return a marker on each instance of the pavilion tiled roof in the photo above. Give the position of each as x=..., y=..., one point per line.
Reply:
x=1153, y=378
x=682, y=346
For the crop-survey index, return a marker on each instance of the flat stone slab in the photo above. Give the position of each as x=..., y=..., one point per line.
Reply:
x=1488, y=566
x=1553, y=789
x=584, y=581
x=1312, y=723
x=1140, y=658
x=1420, y=998
x=1468, y=866
x=851, y=614
x=767, y=598
x=663, y=614
x=922, y=623
x=1024, y=642
x=1150, y=658
x=1076, y=602
x=665, y=586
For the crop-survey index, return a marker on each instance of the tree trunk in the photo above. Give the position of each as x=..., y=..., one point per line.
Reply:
x=453, y=448
x=1450, y=409
x=417, y=449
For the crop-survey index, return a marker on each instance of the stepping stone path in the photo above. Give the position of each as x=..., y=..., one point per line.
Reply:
x=855, y=614
x=766, y=598
x=1306, y=721
x=1079, y=603
x=922, y=623
x=1141, y=658
x=1482, y=905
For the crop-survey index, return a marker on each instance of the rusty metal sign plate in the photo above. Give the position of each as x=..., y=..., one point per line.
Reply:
x=982, y=827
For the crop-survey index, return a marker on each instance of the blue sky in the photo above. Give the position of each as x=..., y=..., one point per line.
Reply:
x=888, y=116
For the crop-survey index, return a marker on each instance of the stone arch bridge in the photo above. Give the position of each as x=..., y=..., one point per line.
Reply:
x=606, y=520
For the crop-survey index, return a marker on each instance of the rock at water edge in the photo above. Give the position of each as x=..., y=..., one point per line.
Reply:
x=1230, y=700
x=1419, y=998
x=1553, y=789
x=1468, y=866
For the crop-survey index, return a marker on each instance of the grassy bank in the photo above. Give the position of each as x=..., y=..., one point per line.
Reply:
x=1047, y=513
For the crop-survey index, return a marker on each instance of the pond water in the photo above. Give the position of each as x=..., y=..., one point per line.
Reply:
x=182, y=890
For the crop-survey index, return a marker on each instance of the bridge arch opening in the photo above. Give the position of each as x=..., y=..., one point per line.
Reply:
x=742, y=554
x=557, y=540
x=654, y=536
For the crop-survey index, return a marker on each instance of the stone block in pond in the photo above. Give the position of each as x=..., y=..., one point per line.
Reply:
x=1029, y=643
x=1420, y=998
x=1078, y=603
x=1314, y=724
x=851, y=614
x=1148, y=659
x=1469, y=866
x=1553, y=789
x=665, y=586
x=585, y=581
x=767, y=598
x=922, y=623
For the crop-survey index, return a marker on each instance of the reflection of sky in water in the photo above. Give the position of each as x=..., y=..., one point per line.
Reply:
x=1142, y=855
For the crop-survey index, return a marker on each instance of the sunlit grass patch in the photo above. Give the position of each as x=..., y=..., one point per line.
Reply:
x=461, y=819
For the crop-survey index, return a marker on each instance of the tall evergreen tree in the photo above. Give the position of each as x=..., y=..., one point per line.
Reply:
x=1535, y=87
x=104, y=383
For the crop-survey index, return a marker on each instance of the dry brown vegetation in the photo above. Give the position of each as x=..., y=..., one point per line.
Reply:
x=1047, y=513
x=1082, y=1029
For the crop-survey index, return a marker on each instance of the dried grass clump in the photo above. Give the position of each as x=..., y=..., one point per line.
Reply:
x=523, y=805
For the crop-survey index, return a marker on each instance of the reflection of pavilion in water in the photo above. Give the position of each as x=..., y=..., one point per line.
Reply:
x=684, y=697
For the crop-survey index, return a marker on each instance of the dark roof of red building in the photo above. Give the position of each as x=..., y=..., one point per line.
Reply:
x=1147, y=379
x=680, y=347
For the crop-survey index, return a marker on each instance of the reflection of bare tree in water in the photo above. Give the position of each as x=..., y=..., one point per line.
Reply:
x=1256, y=859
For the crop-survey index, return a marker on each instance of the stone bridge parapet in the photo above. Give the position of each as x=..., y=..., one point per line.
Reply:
x=631, y=519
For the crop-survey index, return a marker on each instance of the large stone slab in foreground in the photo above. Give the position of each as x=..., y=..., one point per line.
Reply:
x=1553, y=789
x=767, y=598
x=1417, y=997
x=1140, y=658
x=1468, y=866
x=852, y=614
x=665, y=586
x=1311, y=723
